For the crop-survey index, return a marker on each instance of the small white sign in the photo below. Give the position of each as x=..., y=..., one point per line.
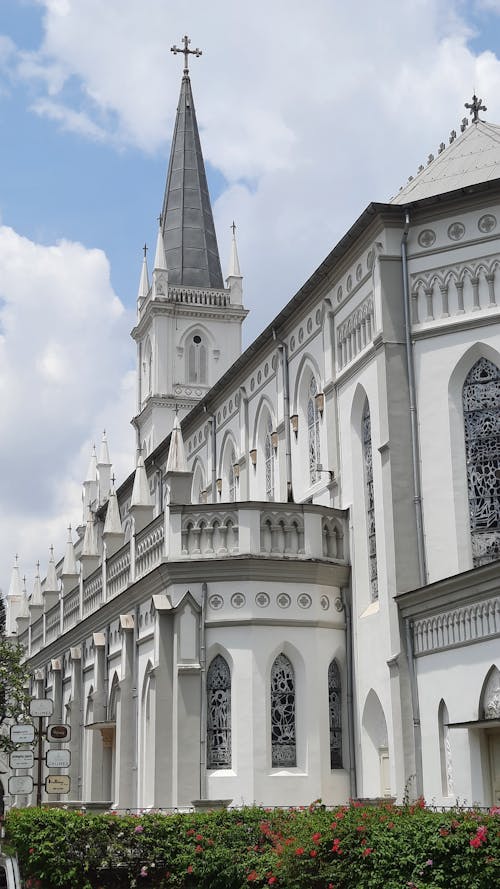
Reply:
x=20, y=784
x=41, y=707
x=21, y=759
x=58, y=759
x=23, y=733
x=58, y=732
x=57, y=784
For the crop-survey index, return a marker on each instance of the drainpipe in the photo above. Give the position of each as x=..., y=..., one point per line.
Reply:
x=211, y=420
x=283, y=350
x=417, y=499
x=346, y=599
x=203, y=713
x=417, y=732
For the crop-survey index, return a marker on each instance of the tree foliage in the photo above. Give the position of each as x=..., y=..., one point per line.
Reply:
x=14, y=678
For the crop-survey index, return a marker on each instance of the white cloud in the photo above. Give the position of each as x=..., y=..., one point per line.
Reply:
x=64, y=375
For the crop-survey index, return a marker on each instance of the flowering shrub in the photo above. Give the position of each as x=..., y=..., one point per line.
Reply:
x=350, y=847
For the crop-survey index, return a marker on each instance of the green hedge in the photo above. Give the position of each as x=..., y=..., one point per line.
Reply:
x=351, y=847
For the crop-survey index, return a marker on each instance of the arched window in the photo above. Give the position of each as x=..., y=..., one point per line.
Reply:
x=147, y=370
x=313, y=431
x=269, y=460
x=370, y=504
x=197, y=360
x=219, y=714
x=335, y=715
x=481, y=404
x=283, y=713
x=445, y=751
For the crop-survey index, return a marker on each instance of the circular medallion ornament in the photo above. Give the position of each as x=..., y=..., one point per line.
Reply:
x=349, y=283
x=359, y=272
x=216, y=602
x=259, y=377
x=238, y=600
x=456, y=231
x=266, y=369
x=370, y=259
x=325, y=603
x=292, y=344
x=283, y=600
x=339, y=294
x=262, y=600
x=304, y=600
x=197, y=392
x=301, y=334
x=427, y=237
x=487, y=223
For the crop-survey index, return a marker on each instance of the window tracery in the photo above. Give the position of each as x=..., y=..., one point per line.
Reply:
x=313, y=431
x=219, y=714
x=269, y=461
x=335, y=715
x=232, y=477
x=481, y=406
x=283, y=713
x=370, y=502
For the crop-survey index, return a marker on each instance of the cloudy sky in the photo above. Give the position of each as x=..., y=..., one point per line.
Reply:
x=308, y=111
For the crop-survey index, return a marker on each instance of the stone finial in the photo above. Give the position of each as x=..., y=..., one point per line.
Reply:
x=453, y=136
x=464, y=124
x=143, y=280
x=51, y=584
x=441, y=148
x=69, y=563
x=36, y=596
x=176, y=461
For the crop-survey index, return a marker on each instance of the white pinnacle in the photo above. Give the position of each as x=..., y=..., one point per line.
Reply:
x=176, y=461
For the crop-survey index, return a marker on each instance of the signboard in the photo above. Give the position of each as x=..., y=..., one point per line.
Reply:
x=58, y=732
x=58, y=759
x=23, y=733
x=41, y=707
x=21, y=759
x=20, y=784
x=57, y=784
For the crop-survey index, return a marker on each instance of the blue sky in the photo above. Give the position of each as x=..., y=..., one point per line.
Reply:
x=307, y=113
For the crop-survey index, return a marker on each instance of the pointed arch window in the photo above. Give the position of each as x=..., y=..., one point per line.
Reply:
x=481, y=406
x=269, y=461
x=445, y=751
x=219, y=714
x=197, y=360
x=147, y=369
x=284, y=752
x=369, y=499
x=335, y=715
x=313, y=431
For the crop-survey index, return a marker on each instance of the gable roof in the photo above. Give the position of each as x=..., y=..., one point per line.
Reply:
x=472, y=158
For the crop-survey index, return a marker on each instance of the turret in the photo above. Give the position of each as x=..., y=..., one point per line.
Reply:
x=141, y=505
x=143, y=291
x=113, y=535
x=160, y=272
x=234, y=279
x=90, y=485
x=69, y=573
x=36, y=601
x=51, y=586
x=14, y=600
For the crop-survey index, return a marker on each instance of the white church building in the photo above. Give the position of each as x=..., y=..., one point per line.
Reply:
x=296, y=594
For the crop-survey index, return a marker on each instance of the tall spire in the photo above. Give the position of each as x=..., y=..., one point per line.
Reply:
x=144, y=279
x=187, y=222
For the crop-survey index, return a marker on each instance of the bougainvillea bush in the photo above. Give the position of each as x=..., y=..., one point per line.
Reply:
x=351, y=847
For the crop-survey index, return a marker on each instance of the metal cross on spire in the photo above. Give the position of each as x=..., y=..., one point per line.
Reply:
x=475, y=107
x=187, y=52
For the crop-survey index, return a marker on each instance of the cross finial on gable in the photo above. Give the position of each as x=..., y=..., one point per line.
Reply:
x=475, y=107
x=187, y=52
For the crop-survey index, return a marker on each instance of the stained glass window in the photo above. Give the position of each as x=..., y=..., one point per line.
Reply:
x=197, y=360
x=335, y=715
x=218, y=714
x=283, y=713
x=370, y=503
x=269, y=458
x=481, y=404
x=313, y=431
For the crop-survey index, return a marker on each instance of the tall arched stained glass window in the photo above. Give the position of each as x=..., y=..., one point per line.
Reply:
x=370, y=503
x=219, y=714
x=283, y=713
x=313, y=431
x=481, y=404
x=335, y=715
x=197, y=360
x=269, y=457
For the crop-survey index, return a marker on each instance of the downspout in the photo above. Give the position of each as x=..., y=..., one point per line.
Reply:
x=282, y=348
x=346, y=599
x=417, y=490
x=203, y=709
x=211, y=420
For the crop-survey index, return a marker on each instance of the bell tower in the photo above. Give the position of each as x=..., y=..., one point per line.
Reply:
x=188, y=330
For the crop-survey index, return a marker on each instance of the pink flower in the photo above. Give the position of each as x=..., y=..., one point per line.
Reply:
x=144, y=871
x=313, y=853
x=367, y=852
x=299, y=851
x=139, y=829
x=428, y=863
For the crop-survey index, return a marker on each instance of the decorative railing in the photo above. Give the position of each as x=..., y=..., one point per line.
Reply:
x=463, y=624
x=52, y=623
x=355, y=332
x=453, y=292
x=71, y=609
x=92, y=592
x=149, y=547
x=209, y=533
x=118, y=572
x=198, y=296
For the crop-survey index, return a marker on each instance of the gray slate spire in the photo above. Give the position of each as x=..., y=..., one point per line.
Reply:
x=187, y=222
